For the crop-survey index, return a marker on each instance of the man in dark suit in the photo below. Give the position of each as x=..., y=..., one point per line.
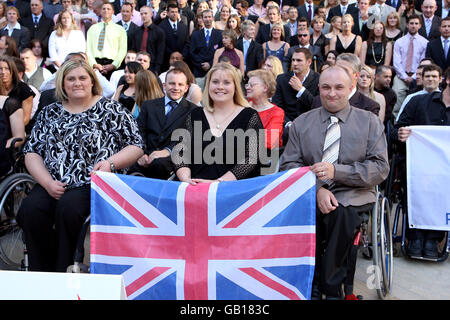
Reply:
x=14, y=29
x=242, y=9
x=129, y=26
x=292, y=84
x=22, y=5
x=157, y=120
x=39, y=25
x=273, y=13
x=307, y=10
x=438, y=49
x=150, y=38
x=394, y=4
x=253, y=51
x=341, y=9
x=360, y=18
x=303, y=40
x=430, y=22
x=204, y=43
x=177, y=34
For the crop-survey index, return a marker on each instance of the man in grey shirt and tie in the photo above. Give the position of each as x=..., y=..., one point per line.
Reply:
x=346, y=149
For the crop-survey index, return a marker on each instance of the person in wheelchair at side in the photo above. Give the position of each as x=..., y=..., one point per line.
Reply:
x=329, y=139
x=81, y=133
x=427, y=109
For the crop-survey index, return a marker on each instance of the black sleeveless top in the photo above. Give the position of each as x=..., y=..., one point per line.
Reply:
x=127, y=101
x=379, y=49
x=340, y=48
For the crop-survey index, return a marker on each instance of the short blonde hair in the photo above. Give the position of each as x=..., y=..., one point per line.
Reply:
x=393, y=14
x=68, y=66
x=348, y=16
x=277, y=66
x=267, y=78
x=238, y=97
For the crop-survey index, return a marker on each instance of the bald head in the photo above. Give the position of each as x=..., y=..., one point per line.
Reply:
x=335, y=86
x=429, y=7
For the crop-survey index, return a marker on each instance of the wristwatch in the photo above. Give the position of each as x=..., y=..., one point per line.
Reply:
x=111, y=165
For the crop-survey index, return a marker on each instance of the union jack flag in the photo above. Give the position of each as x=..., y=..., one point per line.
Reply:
x=246, y=239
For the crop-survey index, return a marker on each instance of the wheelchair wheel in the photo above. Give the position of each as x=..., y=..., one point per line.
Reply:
x=382, y=246
x=12, y=191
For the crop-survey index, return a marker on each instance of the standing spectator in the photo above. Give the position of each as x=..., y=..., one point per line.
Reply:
x=383, y=79
x=342, y=9
x=437, y=49
x=40, y=26
x=252, y=50
x=34, y=75
x=430, y=22
x=204, y=43
x=106, y=43
x=276, y=46
x=409, y=50
x=229, y=50
x=406, y=9
x=377, y=50
x=3, y=20
x=150, y=38
x=317, y=38
x=346, y=42
x=40, y=52
x=242, y=8
x=393, y=27
x=381, y=10
x=307, y=10
x=23, y=6
x=135, y=15
x=292, y=20
x=52, y=7
x=225, y=12
x=234, y=23
x=14, y=29
x=360, y=27
x=273, y=14
x=66, y=38
x=257, y=9
x=129, y=26
x=335, y=27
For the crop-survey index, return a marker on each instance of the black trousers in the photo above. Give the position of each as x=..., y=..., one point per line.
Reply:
x=103, y=62
x=334, y=247
x=160, y=168
x=51, y=226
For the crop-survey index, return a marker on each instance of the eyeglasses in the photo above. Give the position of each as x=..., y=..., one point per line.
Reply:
x=251, y=85
x=303, y=35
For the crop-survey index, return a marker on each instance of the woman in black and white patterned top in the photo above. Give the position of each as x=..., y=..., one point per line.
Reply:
x=70, y=140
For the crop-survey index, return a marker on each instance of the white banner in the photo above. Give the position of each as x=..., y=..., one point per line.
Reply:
x=21, y=285
x=428, y=177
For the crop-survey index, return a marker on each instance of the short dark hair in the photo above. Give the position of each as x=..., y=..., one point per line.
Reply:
x=446, y=76
x=303, y=19
x=381, y=68
x=447, y=18
x=243, y=3
x=172, y=5
x=305, y=51
x=411, y=17
x=431, y=67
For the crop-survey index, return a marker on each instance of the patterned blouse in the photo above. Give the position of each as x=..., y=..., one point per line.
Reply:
x=71, y=144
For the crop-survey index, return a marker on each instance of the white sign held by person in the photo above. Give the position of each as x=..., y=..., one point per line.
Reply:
x=428, y=177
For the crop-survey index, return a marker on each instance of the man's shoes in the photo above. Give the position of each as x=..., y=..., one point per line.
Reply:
x=430, y=249
x=415, y=247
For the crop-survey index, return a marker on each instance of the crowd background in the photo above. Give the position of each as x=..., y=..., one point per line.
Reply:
x=156, y=62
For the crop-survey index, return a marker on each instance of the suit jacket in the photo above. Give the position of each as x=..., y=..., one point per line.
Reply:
x=178, y=41
x=43, y=29
x=155, y=129
x=264, y=33
x=358, y=100
x=199, y=52
x=251, y=17
x=132, y=28
x=434, y=30
x=156, y=45
x=22, y=37
x=286, y=98
x=384, y=12
x=316, y=52
x=255, y=54
x=364, y=31
x=336, y=11
x=303, y=11
x=399, y=3
x=435, y=51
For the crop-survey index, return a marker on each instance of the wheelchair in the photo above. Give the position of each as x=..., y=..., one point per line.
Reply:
x=14, y=187
x=397, y=195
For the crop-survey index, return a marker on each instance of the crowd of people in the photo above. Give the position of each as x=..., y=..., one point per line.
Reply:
x=105, y=85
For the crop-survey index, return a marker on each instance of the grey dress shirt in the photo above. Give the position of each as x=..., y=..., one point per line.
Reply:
x=362, y=162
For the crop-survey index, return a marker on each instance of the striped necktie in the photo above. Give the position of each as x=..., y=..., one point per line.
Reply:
x=101, y=38
x=332, y=142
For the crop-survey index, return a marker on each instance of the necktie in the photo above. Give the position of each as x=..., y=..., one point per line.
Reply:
x=207, y=38
x=125, y=26
x=173, y=105
x=409, y=56
x=101, y=38
x=174, y=27
x=344, y=10
x=144, y=39
x=36, y=22
x=332, y=142
x=309, y=12
x=428, y=26
x=446, y=48
x=394, y=4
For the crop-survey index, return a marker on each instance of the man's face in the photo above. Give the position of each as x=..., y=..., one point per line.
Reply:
x=173, y=14
x=344, y=2
x=176, y=85
x=384, y=79
x=155, y=3
x=335, y=87
x=29, y=60
x=107, y=12
x=242, y=11
x=36, y=7
x=303, y=37
x=131, y=56
x=143, y=60
x=299, y=63
x=445, y=29
x=428, y=8
x=302, y=25
x=322, y=12
x=250, y=32
x=363, y=5
x=12, y=17
x=207, y=19
x=285, y=12
x=126, y=13
x=419, y=79
x=413, y=26
x=174, y=57
x=146, y=15
x=431, y=80
x=273, y=15
x=293, y=14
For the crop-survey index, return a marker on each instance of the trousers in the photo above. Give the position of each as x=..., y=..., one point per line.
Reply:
x=51, y=226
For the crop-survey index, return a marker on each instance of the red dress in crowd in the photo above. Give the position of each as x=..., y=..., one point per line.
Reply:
x=273, y=119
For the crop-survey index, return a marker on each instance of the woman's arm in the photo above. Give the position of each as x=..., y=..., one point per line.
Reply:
x=333, y=43
x=17, y=127
x=358, y=46
x=117, y=93
x=388, y=55
x=122, y=159
x=241, y=59
x=363, y=53
x=27, y=106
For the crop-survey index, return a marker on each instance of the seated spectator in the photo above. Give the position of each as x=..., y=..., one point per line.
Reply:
x=224, y=108
x=234, y=23
x=366, y=86
x=51, y=228
x=383, y=79
x=40, y=52
x=377, y=50
x=116, y=75
x=14, y=29
x=158, y=118
x=252, y=50
x=225, y=12
x=13, y=113
x=304, y=41
x=346, y=41
x=229, y=50
x=146, y=87
x=274, y=65
x=276, y=46
x=125, y=93
x=331, y=56
x=260, y=87
x=335, y=27
x=257, y=9
x=34, y=74
x=8, y=46
x=175, y=56
x=194, y=93
x=3, y=21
